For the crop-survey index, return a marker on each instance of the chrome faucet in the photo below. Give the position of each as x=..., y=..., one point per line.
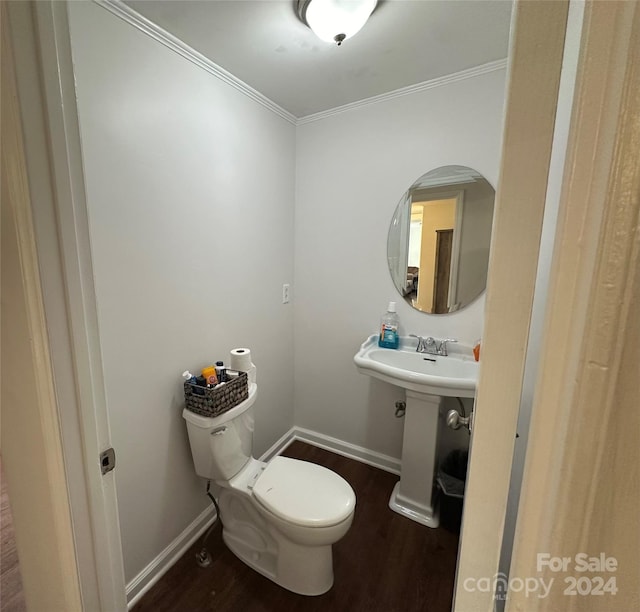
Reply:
x=422, y=347
x=431, y=346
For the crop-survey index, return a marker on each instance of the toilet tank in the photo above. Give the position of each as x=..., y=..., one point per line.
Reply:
x=222, y=445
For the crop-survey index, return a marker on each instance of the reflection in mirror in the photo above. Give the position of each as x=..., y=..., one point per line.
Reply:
x=438, y=245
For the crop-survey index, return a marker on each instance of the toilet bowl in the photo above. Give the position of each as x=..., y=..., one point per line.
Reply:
x=281, y=517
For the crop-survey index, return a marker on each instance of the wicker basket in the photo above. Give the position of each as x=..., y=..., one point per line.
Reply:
x=213, y=402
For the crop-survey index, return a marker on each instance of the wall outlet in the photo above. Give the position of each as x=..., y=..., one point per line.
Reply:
x=286, y=293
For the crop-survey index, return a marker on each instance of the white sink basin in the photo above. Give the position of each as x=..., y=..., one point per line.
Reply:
x=426, y=379
x=453, y=376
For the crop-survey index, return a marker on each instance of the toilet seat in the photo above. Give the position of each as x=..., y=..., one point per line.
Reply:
x=304, y=493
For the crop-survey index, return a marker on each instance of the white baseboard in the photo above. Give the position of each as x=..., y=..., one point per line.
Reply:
x=278, y=446
x=340, y=447
x=161, y=564
x=346, y=449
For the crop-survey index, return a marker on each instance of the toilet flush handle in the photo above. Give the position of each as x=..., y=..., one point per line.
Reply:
x=218, y=431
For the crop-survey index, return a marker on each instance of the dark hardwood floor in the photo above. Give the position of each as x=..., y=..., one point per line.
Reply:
x=11, y=594
x=385, y=562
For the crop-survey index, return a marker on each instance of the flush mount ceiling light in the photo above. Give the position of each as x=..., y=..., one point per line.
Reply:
x=335, y=20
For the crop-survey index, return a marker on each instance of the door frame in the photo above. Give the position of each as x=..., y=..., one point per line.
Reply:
x=583, y=443
x=46, y=91
x=595, y=248
x=33, y=462
x=533, y=78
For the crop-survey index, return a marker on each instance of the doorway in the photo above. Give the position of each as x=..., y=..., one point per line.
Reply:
x=442, y=270
x=432, y=240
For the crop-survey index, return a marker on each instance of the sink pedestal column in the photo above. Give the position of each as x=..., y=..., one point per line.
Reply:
x=413, y=496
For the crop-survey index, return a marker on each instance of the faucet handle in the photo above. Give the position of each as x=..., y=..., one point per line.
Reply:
x=421, y=341
x=443, y=345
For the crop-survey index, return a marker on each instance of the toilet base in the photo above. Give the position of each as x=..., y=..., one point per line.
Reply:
x=302, y=569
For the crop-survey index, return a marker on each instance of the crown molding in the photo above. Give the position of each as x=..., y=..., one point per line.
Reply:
x=132, y=17
x=411, y=89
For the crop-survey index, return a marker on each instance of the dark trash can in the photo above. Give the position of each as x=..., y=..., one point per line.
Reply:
x=451, y=479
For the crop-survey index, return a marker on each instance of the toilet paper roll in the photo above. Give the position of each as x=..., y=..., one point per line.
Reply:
x=240, y=359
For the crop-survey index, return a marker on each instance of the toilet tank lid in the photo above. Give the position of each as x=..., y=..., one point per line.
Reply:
x=304, y=493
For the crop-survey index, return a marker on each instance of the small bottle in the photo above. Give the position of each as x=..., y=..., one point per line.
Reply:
x=476, y=350
x=389, y=328
x=189, y=377
x=210, y=375
x=221, y=371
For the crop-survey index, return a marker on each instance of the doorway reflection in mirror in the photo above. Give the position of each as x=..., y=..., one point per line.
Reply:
x=438, y=246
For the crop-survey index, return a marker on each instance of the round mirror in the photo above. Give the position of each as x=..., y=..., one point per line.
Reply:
x=438, y=244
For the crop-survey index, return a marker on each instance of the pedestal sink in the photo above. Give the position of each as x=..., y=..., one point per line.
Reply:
x=426, y=379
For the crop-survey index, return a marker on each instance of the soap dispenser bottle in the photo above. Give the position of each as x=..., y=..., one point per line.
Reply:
x=389, y=328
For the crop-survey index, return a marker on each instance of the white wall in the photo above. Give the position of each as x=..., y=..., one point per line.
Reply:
x=475, y=234
x=190, y=189
x=352, y=169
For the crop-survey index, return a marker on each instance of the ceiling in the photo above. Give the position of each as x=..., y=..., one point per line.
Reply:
x=405, y=42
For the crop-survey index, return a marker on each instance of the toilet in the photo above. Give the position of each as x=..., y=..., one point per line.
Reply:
x=281, y=517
